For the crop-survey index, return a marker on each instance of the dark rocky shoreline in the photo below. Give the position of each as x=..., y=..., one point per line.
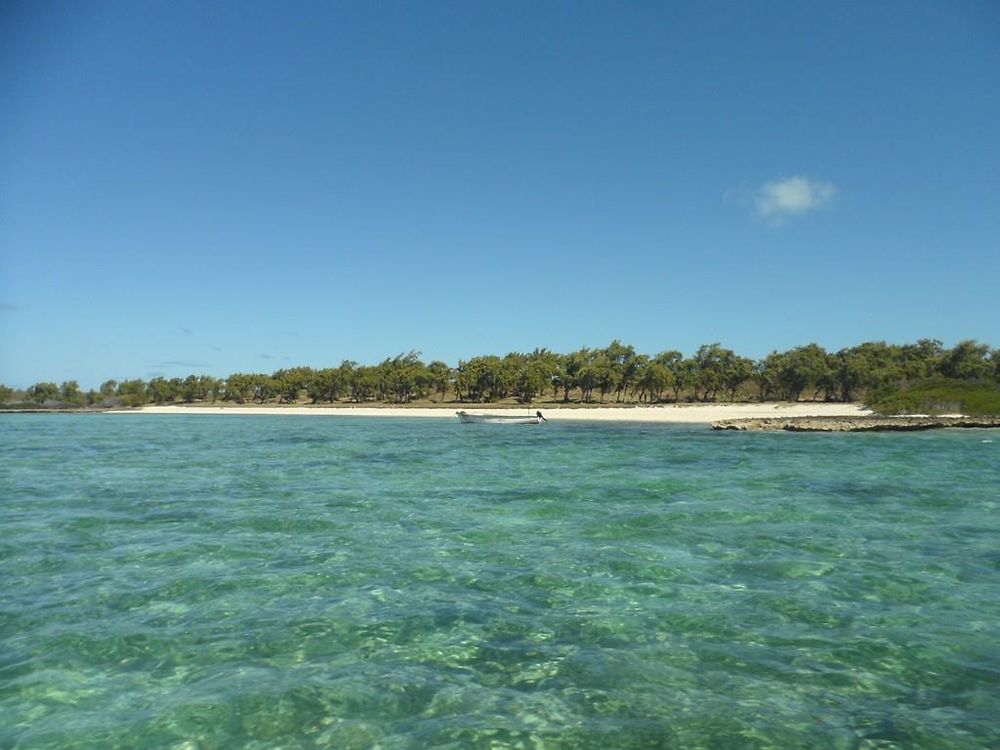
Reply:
x=853, y=424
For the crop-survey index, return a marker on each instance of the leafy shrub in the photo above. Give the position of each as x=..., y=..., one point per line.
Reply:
x=938, y=396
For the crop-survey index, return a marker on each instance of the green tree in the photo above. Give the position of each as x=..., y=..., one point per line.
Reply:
x=685, y=377
x=711, y=363
x=214, y=387
x=865, y=368
x=346, y=372
x=70, y=393
x=42, y=392
x=587, y=380
x=624, y=367
x=364, y=384
x=801, y=368
x=827, y=383
x=464, y=381
x=402, y=378
x=494, y=378
x=161, y=390
x=570, y=367
x=6, y=394
x=765, y=375
x=327, y=385
x=607, y=375
x=549, y=366
x=176, y=386
x=243, y=386
x=736, y=372
x=968, y=360
x=596, y=374
x=673, y=361
x=133, y=393
x=716, y=370
x=531, y=377
x=482, y=379
x=652, y=380
x=289, y=383
x=920, y=360
x=439, y=376
x=198, y=388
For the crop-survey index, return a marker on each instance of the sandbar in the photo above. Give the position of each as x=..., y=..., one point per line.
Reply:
x=668, y=413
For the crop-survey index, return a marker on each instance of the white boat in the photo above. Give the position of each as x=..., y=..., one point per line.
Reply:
x=535, y=418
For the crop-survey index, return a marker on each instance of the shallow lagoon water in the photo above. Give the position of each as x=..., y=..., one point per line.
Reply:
x=308, y=582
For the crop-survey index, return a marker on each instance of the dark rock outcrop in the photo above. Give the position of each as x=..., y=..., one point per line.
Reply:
x=853, y=424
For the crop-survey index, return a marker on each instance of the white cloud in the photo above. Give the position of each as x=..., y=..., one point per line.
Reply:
x=779, y=199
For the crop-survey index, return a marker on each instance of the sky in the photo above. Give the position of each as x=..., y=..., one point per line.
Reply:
x=209, y=188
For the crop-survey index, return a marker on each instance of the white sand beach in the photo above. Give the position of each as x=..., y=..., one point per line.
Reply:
x=676, y=413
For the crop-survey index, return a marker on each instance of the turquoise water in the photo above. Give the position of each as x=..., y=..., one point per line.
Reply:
x=292, y=582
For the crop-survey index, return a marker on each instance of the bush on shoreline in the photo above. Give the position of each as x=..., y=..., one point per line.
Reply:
x=938, y=396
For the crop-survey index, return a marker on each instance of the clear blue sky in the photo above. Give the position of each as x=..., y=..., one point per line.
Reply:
x=191, y=187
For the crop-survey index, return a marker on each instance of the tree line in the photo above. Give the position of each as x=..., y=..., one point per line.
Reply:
x=615, y=373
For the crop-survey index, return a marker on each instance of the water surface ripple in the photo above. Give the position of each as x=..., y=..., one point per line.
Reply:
x=288, y=582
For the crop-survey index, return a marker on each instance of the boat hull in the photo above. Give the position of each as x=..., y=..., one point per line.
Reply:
x=498, y=418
